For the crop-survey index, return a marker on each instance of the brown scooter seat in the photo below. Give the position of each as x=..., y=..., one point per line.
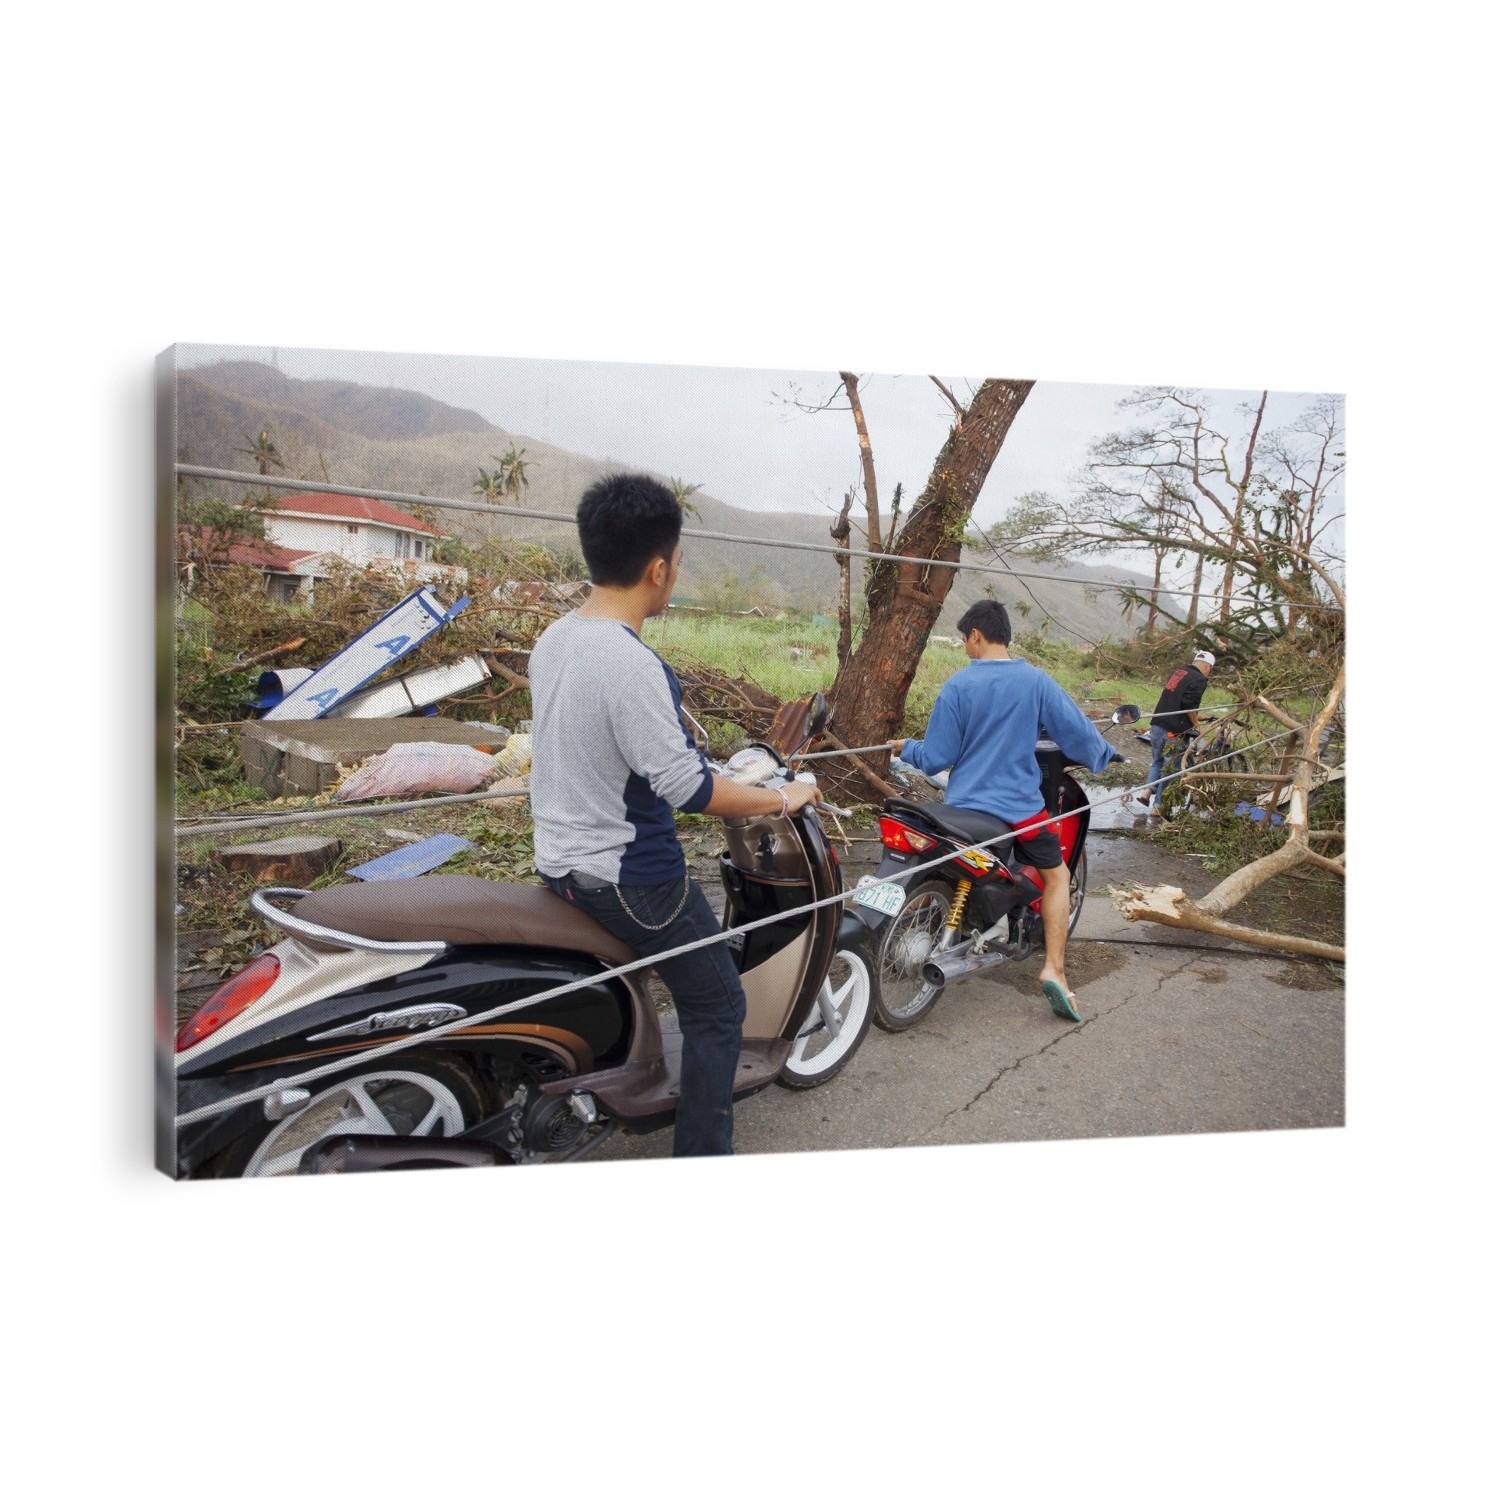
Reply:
x=461, y=909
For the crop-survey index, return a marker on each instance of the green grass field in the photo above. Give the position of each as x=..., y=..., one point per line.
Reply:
x=794, y=657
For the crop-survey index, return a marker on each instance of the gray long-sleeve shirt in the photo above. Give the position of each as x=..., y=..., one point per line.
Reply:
x=610, y=756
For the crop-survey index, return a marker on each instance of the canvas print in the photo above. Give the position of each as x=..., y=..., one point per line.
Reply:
x=569, y=762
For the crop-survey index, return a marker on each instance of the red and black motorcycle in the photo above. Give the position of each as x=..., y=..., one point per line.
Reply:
x=983, y=907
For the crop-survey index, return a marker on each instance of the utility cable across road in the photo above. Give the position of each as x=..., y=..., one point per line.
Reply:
x=198, y=824
x=402, y=1044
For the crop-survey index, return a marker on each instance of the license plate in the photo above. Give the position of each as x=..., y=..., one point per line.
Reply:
x=884, y=897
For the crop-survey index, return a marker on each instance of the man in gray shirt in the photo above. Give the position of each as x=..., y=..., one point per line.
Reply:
x=611, y=758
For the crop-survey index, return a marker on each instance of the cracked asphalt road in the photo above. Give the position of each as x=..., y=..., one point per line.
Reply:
x=1174, y=1040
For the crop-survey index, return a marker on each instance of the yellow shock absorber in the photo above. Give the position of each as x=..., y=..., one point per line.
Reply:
x=956, y=906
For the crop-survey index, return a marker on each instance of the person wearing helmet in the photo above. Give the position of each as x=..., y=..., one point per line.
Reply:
x=1174, y=721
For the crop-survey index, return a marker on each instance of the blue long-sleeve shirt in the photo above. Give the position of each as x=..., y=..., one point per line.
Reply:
x=985, y=725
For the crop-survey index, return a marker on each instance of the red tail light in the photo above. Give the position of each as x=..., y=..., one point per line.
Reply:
x=904, y=840
x=229, y=1000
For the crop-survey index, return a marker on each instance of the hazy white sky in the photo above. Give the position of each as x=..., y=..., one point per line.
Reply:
x=728, y=430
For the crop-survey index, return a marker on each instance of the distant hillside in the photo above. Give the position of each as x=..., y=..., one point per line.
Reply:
x=366, y=410
x=337, y=432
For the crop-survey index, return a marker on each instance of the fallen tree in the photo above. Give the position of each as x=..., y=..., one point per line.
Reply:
x=1172, y=907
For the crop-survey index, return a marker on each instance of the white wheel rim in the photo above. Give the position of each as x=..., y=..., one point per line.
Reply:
x=354, y=1107
x=846, y=996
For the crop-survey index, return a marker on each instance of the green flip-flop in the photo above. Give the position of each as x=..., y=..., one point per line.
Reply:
x=1060, y=1000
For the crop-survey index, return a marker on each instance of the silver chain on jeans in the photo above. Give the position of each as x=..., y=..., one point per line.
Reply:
x=687, y=886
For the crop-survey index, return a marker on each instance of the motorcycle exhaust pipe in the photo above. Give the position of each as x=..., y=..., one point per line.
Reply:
x=384, y=1153
x=950, y=966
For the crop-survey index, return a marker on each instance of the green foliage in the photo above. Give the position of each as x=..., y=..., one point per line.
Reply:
x=207, y=526
x=1228, y=841
x=210, y=690
x=683, y=492
x=491, y=485
x=216, y=686
x=502, y=842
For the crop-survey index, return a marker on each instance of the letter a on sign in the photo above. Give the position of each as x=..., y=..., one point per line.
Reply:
x=370, y=653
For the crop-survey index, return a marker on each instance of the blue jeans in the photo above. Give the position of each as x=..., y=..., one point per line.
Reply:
x=1165, y=754
x=705, y=988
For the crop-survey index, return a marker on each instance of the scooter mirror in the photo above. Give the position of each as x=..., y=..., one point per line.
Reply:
x=817, y=718
x=1126, y=713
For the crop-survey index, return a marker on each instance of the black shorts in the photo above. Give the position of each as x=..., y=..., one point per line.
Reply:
x=1043, y=850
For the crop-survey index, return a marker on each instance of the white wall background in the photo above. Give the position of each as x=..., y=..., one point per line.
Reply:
x=1291, y=195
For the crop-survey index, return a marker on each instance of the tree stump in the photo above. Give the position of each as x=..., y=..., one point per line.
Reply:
x=297, y=860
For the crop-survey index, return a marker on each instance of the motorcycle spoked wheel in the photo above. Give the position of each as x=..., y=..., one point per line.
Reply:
x=848, y=997
x=1078, y=883
x=414, y=1093
x=902, y=997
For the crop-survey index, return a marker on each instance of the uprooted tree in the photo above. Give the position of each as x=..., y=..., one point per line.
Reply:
x=1253, y=508
x=1174, y=908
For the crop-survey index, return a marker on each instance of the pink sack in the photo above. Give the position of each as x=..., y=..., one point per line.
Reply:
x=409, y=769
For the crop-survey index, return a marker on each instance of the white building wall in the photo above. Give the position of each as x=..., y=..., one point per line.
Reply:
x=365, y=543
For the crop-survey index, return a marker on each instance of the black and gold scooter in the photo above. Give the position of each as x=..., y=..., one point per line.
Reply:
x=363, y=965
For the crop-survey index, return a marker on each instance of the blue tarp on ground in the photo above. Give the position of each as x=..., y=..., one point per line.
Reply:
x=414, y=859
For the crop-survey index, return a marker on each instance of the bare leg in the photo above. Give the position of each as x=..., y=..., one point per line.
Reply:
x=1055, y=913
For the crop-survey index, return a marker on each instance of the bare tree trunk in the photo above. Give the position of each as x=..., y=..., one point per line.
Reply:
x=1157, y=554
x=1192, y=618
x=1241, y=490
x=868, y=699
x=866, y=460
x=840, y=534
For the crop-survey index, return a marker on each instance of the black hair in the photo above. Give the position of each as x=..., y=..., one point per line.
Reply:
x=988, y=617
x=625, y=522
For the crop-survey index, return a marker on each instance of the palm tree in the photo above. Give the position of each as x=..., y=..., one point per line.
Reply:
x=513, y=467
x=681, y=493
x=491, y=486
x=265, y=453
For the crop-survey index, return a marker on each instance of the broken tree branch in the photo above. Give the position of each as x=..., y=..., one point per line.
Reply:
x=866, y=459
x=1323, y=863
x=857, y=764
x=284, y=647
x=1172, y=907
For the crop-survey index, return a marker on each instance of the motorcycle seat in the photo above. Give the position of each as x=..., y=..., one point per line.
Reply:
x=462, y=910
x=957, y=822
x=962, y=824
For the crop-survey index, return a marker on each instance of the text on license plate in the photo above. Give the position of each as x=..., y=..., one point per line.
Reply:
x=885, y=897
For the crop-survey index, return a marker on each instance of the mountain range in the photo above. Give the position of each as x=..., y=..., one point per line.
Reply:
x=340, y=432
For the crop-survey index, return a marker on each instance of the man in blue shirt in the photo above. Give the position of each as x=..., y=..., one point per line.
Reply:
x=985, y=725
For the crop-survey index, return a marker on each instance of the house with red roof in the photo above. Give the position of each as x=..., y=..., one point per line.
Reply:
x=305, y=532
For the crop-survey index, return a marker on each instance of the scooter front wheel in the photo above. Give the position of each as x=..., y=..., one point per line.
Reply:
x=918, y=930
x=838, y=1021
x=409, y=1093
